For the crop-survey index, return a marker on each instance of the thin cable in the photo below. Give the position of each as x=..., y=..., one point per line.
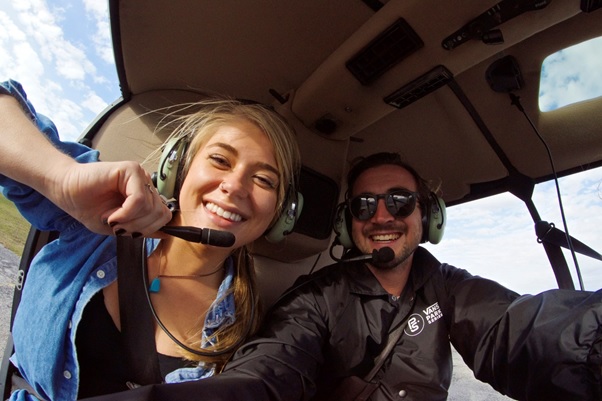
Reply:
x=230, y=349
x=315, y=263
x=515, y=101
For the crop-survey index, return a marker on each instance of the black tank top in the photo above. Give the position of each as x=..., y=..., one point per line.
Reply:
x=100, y=355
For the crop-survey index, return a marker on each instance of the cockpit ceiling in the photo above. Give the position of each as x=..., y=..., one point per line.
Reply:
x=298, y=54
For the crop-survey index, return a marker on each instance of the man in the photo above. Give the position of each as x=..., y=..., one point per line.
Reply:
x=334, y=323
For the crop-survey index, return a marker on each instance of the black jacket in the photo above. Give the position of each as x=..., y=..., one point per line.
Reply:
x=333, y=323
x=337, y=321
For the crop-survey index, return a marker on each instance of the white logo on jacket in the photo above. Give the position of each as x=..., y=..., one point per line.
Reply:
x=415, y=325
x=433, y=313
x=416, y=321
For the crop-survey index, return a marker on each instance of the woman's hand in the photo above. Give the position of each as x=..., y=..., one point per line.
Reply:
x=109, y=197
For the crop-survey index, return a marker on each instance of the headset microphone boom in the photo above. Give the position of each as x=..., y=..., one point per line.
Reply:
x=382, y=255
x=206, y=236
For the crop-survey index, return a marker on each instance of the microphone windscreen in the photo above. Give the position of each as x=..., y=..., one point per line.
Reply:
x=203, y=235
x=217, y=238
x=383, y=255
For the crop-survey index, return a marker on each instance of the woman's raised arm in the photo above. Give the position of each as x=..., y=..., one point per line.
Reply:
x=107, y=197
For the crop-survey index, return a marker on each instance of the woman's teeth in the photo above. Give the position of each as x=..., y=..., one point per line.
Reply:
x=223, y=213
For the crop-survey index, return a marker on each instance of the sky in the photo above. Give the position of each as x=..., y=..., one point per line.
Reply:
x=61, y=52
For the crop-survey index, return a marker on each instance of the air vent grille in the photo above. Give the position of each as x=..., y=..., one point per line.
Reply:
x=384, y=52
x=420, y=87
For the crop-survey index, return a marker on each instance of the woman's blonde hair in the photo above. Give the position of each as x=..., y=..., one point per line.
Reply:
x=196, y=123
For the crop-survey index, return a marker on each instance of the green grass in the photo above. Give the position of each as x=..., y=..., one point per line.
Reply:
x=13, y=227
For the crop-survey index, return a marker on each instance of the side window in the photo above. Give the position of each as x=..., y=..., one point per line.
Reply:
x=495, y=237
x=571, y=75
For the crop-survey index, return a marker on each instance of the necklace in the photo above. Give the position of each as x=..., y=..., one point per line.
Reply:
x=155, y=285
x=228, y=348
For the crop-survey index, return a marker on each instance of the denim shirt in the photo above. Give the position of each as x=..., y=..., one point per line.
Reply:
x=64, y=276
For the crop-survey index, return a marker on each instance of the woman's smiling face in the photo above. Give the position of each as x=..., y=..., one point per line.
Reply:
x=232, y=183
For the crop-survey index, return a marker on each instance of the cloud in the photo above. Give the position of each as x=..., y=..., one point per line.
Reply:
x=39, y=23
x=94, y=103
x=102, y=36
x=571, y=75
x=57, y=69
x=16, y=53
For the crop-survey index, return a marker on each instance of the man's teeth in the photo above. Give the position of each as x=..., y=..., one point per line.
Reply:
x=385, y=237
x=223, y=213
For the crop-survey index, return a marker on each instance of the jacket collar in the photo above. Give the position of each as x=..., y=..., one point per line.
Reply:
x=423, y=267
x=424, y=264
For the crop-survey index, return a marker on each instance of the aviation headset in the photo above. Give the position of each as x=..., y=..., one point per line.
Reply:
x=433, y=221
x=168, y=181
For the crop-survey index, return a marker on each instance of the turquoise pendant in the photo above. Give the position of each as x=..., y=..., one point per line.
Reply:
x=155, y=285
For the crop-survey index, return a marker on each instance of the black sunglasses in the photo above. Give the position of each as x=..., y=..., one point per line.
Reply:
x=400, y=203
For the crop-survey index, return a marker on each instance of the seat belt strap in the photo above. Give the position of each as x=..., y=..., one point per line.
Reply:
x=137, y=324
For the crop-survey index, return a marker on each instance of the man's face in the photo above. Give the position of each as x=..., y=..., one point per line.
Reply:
x=402, y=234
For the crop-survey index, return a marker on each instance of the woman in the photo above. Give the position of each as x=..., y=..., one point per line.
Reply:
x=241, y=160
